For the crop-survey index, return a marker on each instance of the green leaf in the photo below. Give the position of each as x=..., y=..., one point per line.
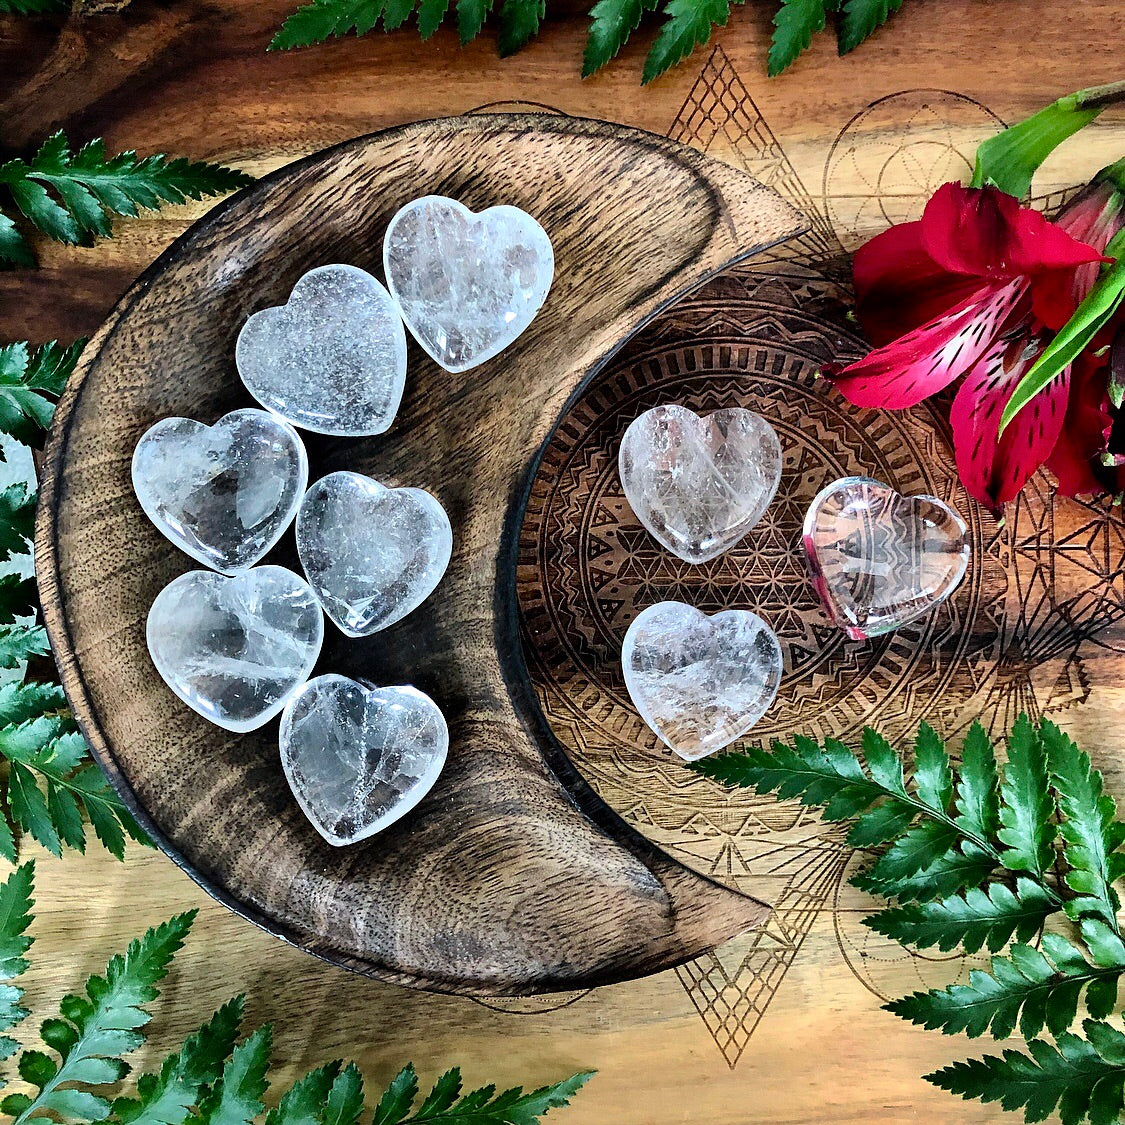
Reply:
x=20, y=703
x=1078, y=1077
x=107, y=1024
x=687, y=26
x=17, y=521
x=920, y=848
x=977, y=804
x=1092, y=836
x=15, y=917
x=860, y=19
x=325, y=19
x=1096, y=311
x=345, y=1099
x=519, y=24
x=19, y=643
x=33, y=7
x=30, y=382
x=430, y=15
x=796, y=22
x=396, y=13
x=442, y=1097
x=14, y=250
x=933, y=773
x=963, y=866
x=471, y=15
x=70, y=196
x=1025, y=988
x=976, y=918
x=304, y=1102
x=184, y=1079
x=1010, y=159
x=1026, y=806
x=399, y=1096
x=611, y=24
x=236, y=1099
x=19, y=597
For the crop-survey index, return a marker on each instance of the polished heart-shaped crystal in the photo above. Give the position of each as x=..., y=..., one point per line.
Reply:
x=331, y=360
x=699, y=484
x=224, y=494
x=467, y=285
x=360, y=757
x=372, y=554
x=879, y=559
x=700, y=682
x=236, y=649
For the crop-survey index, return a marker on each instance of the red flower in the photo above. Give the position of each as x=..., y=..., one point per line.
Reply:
x=968, y=290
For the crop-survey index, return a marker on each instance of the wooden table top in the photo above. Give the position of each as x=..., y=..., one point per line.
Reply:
x=783, y=1026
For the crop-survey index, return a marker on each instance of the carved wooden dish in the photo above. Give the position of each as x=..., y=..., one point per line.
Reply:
x=512, y=877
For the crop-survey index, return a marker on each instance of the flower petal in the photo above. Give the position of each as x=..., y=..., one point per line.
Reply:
x=924, y=361
x=993, y=468
x=1083, y=436
x=986, y=233
x=899, y=287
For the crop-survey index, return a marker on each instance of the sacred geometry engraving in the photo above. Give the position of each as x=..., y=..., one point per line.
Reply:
x=1043, y=596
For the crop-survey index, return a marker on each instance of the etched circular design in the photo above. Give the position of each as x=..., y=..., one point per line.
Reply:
x=588, y=567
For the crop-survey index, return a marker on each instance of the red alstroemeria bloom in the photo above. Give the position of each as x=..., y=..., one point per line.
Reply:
x=967, y=290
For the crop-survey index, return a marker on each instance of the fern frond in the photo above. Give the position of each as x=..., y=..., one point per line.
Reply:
x=687, y=25
x=17, y=521
x=30, y=382
x=859, y=19
x=1026, y=805
x=236, y=1099
x=796, y=22
x=15, y=917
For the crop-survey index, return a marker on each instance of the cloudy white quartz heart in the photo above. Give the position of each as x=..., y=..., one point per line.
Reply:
x=700, y=682
x=372, y=554
x=699, y=484
x=880, y=559
x=224, y=494
x=236, y=649
x=332, y=359
x=359, y=757
x=467, y=284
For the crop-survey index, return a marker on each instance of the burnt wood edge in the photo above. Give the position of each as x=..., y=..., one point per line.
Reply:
x=511, y=659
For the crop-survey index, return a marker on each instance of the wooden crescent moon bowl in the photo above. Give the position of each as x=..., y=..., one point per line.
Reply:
x=513, y=876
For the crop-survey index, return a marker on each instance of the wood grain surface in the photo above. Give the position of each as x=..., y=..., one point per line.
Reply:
x=781, y=1027
x=502, y=881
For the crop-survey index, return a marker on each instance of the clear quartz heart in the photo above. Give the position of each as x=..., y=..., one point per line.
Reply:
x=372, y=554
x=699, y=484
x=224, y=494
x=360, y=757
x=236, y=649
x=467, y=285
x=880, y=559
x=331, y=360
x=700, y=682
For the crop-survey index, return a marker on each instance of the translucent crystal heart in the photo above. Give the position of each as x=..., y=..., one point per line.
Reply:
x=236, y=649
x=467, y=285
x=360, y=757
x=372, y=554
x=700, y=682
x=699, y=484
x=224, y=494
x=879, y=559
x=331, y=360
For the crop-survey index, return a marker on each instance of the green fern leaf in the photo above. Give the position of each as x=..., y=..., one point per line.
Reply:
x=397, y=1099
x=611, y=24
x=185, y=1078
x=17, y=521
x=933, y=772
x=919, y=848
x=861, y=18
x=978, y=803
x=236, y=1099
x=976, y=918
x=18, y=643
x=687, y=25
x=326, y=19
x=796, y=22
x=19, y=703
x=1025, y=988
x=304, y=1102
x=33, y=7
x=94, y=1031
x=431, y=13
x=471, y=15
x=961, y=867
x=345, y=1099
x=519, y=24
x=14, y=250
x=1092, y=836
x=1026, y=807
x=71, y=196
x=1081, y=1078
x=19, y=598
x=30, y=382
x=15, y=917
x=516, y=1107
